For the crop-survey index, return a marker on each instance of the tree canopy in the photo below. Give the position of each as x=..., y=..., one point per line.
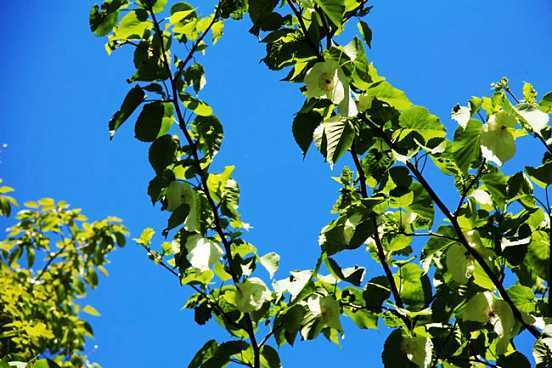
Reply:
x=459, y=281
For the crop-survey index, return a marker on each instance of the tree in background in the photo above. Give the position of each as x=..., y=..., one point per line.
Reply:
x=50, y=258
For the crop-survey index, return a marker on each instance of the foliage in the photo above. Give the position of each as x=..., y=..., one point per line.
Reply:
x=478, y=274
x=50, y=258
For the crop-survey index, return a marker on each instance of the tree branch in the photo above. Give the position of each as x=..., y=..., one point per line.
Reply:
x=459, y=232
x=467, y=190
x=379, y=246
x=304, y=28
x=48, y=263
x=250, y=330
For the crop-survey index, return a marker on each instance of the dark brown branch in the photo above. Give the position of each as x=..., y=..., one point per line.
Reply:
x=379, y=246
x=197, y=162
x=304, y=28
x=467, y=190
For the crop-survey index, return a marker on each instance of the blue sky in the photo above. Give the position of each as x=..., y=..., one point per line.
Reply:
x=60, y=88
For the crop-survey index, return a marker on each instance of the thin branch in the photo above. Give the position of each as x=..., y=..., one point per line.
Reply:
x=197, y=43
x=304, y=28
x=533, y=133
x=325, y=26
x=459, y=232
x=430, y=233
x=207, y=297
x=467, y=190
x=509, y=91
x=379, y=246
x=203, y=175
x=48, y=263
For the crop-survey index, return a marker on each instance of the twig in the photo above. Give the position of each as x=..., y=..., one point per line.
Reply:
x=203, y=176
x=430, y=233
x=467, y=190
x=48, y=263
x=304, y=29
x=379, y=246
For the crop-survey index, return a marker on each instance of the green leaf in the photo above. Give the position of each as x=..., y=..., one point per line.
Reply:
x=205, y=353
x=224, y=352
x=546, y=103
x=366, y=32
x=523, y=298
x=270, y=357
x=334, y=10
x=289, y=324
x=394, y=353
x=541, y=175
x=513, y=360
x=91, y=310
x=349, y=231
x=102, y=20
x=353, y=275
x=466, y=146
x=133, y=25
x=131, y=102
x=363, y=318
x=376, y=292
x=178, y=216
x=333, y=138
x=538, y=253
x=303, y=128
x=179, y=193
x=156, y=5
x=145, y=237
x=419, y=120
x=413, y=285
x=209, y=132
x=271, y=262
x=385, y=92
x=162, y=153
x=286, y=47
x=217, y=183
x=155, y=120
x=477, y=308
x=199, y=107
x=195, y=75
x=457, y=263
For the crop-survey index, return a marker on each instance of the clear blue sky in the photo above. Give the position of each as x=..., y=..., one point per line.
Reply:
x=60, y=89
